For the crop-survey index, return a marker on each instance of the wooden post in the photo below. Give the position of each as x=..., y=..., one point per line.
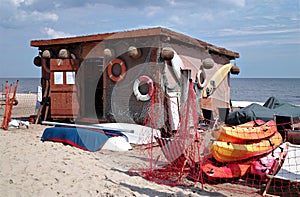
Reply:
x=43, y=104
x=9, y=102
x=4, y=125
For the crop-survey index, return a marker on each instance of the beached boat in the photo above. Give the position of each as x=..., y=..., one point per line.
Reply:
x=138, y=134
x=87, y=139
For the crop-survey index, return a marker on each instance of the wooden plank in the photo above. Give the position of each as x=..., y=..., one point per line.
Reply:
x=64, y=103
x=64, y=64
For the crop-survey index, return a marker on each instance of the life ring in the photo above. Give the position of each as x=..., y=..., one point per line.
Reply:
x=110, y=73
x=142, y=80
x=201, y=78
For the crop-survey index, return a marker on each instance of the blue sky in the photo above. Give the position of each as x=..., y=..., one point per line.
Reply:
x=266, y=33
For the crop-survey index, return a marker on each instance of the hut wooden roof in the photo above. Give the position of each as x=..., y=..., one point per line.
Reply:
x=136, y=33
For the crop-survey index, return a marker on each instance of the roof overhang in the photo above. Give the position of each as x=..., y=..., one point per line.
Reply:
x=158, y=31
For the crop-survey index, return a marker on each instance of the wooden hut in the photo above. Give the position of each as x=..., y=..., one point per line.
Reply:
x=110, y=77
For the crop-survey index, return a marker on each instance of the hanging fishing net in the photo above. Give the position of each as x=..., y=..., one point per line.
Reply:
x=184, y=157
x=175, y=159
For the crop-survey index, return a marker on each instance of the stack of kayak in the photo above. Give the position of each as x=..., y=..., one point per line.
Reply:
x=243, y=142
x=252, y=147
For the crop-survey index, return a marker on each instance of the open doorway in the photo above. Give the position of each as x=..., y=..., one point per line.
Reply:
x=92, y=102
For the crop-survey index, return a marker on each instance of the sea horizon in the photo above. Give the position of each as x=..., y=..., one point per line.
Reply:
x=241, y=88
x=232, y=77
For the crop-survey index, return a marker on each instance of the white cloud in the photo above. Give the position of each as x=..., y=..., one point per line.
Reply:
x=227, y=23
x=172, y=2
x=152, y=10
x=295, y=18
x=260, y=42
x=177, y=20
x=256, y=30
x=246, y=43
x=55, y=34
x=239, y=3
x=19, y=2
x=14, y=14
x=36, y=16
x=279, y=40
x=45, y=16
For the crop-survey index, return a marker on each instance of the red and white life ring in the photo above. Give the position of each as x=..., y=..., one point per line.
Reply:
x=201, y=78
x=110, y=70
x=139, y=96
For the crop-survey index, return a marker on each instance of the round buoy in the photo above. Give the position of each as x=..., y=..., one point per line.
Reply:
x=64, y=54
x=109, y=53
x=235, y=70
x=208, y=63
x=116, y=70
x=37, y=61
x=134, y=52
x=47, y=54
x=167, y=53
x=142, y=95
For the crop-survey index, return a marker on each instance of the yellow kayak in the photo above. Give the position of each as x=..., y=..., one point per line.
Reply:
x=244, y=133
x=228, y=152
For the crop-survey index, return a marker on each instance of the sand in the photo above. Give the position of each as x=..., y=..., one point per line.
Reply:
x=30, y=167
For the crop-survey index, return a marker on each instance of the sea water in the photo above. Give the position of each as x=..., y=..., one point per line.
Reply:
x=26, y=85
x=242, y=89
x=260, y=89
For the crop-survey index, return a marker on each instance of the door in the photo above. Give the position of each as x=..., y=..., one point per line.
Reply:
x=63, y=92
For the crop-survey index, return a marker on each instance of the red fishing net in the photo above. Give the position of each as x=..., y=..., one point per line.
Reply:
x=197, y=153
x=175, y=158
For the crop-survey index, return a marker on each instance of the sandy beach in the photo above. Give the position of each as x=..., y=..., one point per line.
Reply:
x=30, y=167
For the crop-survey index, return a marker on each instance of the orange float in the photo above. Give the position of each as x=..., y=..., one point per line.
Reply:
x=110, y=73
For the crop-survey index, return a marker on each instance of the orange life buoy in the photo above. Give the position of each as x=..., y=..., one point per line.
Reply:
x=136, y=91
x=110, y=73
